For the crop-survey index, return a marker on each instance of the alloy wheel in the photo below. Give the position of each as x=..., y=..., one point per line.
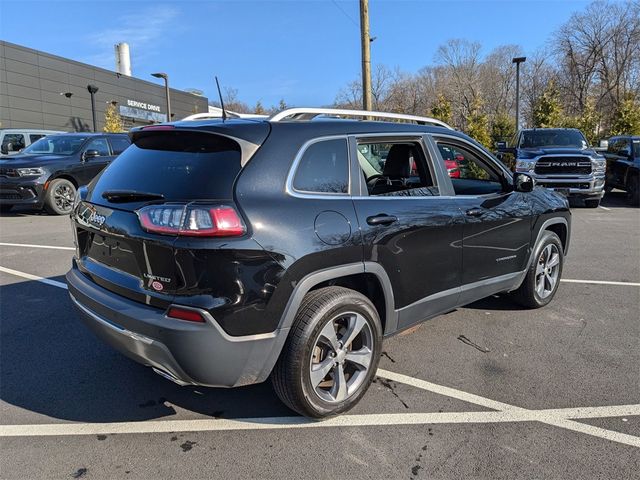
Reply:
x=547, y=270
x=63, y=196
x=341, y=357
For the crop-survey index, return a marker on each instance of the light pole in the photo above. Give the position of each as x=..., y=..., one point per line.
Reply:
x=165, y=77
x=93, y=90
x=518, y=61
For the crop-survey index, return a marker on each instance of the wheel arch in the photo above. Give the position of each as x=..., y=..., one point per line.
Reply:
x=558, y=225
x=368, y=278
x=63, y=176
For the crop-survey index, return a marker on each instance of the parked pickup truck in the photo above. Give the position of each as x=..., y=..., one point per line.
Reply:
x=623, y=166
x=560, y=159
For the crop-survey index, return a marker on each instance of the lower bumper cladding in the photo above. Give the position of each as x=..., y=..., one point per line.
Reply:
x=187, y=353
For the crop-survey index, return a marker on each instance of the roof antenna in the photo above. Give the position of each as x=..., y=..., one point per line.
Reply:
x=224, y=112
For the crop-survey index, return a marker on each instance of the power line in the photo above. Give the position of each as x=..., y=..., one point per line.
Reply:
x=345, y=13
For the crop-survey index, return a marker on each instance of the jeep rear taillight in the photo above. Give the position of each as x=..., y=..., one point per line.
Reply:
x=192, y=220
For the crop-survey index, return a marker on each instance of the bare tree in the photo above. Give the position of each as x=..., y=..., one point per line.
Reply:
x=497, y=79
x=461, y=62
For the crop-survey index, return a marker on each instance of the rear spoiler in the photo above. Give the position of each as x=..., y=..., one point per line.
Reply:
x=248, y=135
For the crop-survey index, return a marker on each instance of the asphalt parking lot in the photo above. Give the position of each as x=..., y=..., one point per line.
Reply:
x=487, y=391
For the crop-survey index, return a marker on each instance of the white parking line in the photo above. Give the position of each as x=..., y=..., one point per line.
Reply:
x=600, y=282
x=605, y=208
x=28, y=276
x=28, y=245
x=556, y=417
x=389, y=419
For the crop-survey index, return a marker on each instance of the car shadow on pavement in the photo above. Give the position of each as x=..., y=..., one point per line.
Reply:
x=616, y=199
x=496, y=302
x=24, y=212
x=51, y=364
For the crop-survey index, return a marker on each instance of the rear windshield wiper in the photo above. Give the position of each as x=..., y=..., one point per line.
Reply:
x=130, y=196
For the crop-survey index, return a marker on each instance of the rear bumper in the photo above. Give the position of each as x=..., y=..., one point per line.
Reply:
x=577, y=186
x=186, y=352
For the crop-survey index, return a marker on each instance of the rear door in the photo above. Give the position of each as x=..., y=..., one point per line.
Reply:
x=497, y=220
x=409, y=224
x=90, y=167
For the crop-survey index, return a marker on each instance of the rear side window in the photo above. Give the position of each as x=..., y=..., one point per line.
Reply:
x=119, y=144
x=33, y=137
x=324, y=168
x=178, y=165
x=15, y=139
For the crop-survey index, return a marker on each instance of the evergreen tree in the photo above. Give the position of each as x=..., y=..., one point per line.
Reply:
x=259, y=109
x=503, y=128
x=112, y=119
x=587, y=122
x=626, y=119
x=442, y=109
x=478, y=124
x=547, y=110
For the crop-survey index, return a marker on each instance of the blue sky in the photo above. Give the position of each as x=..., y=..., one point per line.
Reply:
x=301, y=50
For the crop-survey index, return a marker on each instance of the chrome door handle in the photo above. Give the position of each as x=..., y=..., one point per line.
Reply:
x=382, y=219
x=475, y=212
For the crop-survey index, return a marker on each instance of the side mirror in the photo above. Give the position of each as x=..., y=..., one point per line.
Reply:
x=4, y=149
x=90, y=154
x=523, y=182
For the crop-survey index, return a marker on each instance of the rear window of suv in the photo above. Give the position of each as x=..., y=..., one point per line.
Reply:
x=178, y=165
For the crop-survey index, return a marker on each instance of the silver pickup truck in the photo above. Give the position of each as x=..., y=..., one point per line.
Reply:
x=560, y=159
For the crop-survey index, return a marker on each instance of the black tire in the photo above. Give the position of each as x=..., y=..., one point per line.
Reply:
x=634, y=191
x=292, y=374
x=608, y=189
x=59, y=197
x=591, y=203
x=5, y=208
x=527, y=294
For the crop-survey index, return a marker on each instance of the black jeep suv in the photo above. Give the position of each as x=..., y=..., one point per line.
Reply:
x=222, y=253
x=48, y=172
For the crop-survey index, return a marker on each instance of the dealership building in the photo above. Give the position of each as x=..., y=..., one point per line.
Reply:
x=43, y=91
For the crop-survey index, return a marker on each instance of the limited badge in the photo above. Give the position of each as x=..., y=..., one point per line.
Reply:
x=157, y=286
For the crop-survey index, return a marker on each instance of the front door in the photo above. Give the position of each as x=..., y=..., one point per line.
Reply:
x=90, y=167
x=407, y=226
x=497, y=229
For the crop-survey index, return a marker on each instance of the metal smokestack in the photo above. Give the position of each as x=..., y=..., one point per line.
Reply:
x=123, y=59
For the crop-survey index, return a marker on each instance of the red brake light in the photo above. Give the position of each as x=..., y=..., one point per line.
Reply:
x=185, y=314
x=192, y=220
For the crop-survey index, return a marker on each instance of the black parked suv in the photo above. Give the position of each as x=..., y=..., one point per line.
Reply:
x=48, y=172
x=222, y=253
x=623, y=166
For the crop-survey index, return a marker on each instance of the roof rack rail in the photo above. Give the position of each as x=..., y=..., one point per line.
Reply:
x=303, y=113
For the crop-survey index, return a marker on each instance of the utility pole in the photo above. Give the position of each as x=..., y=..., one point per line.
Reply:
x=365, y=41
x=518, y=61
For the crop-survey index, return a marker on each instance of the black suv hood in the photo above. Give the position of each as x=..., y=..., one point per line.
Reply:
x=19, y=161
x=537, y=151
